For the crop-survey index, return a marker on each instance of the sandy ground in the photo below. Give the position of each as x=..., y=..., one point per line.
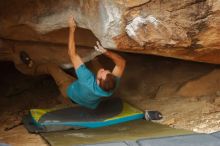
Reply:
x=20, y=93
x=199, y=116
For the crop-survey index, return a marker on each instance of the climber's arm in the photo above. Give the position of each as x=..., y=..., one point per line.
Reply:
x=74, y=57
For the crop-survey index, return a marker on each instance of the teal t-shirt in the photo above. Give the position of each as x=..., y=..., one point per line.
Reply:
x=85, y=91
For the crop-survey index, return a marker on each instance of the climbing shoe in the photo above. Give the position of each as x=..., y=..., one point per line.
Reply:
x=26, y=59
x=153, y=115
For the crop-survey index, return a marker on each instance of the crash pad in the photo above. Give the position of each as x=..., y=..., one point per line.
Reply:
x=2, y=144
x=180, y=140
x=216, y=134
x=115, y=135
x=110, y=111
x=185, y=140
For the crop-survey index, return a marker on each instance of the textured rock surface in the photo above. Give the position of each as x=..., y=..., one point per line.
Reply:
x=161, y=79
x=181, y=29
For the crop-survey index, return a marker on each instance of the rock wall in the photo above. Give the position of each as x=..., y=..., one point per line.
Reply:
x=181, y=29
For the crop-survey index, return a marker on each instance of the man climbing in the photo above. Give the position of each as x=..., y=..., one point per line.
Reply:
x=87, y=89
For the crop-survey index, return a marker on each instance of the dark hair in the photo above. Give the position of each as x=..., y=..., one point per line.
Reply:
x=109, y=83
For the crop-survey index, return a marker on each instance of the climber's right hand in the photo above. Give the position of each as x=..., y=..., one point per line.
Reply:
x=99, y=48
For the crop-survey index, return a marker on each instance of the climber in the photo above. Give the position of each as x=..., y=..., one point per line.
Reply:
x=88, y=89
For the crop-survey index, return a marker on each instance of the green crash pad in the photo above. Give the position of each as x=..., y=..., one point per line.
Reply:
x=129, y=131
x=109, y=112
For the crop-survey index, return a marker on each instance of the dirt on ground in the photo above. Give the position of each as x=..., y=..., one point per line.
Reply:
x=19, y=93
x=190, y=104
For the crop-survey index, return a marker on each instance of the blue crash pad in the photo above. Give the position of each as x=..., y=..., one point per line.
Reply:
x=109, y=112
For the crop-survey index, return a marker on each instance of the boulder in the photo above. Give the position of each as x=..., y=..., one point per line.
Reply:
x=187, y=29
